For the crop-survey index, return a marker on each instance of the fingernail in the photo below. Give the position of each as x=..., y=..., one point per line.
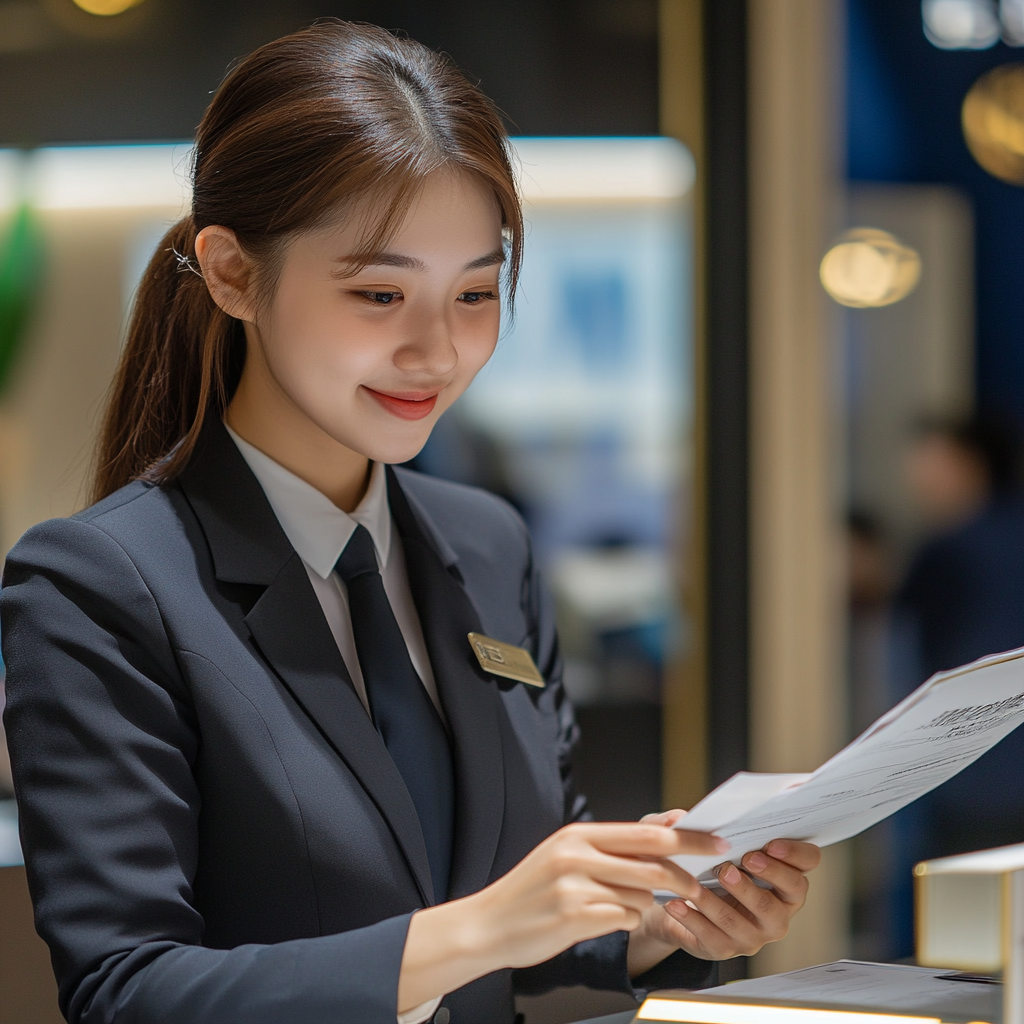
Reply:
x=677, y=908
x=777, y=848
x=730, y=875
x=757, y=862
x=722, y=845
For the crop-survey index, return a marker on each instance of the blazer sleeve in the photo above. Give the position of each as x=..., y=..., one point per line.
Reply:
x=103, y=742
x=597, y=963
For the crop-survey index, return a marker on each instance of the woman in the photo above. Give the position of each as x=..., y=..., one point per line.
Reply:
x=262, y=775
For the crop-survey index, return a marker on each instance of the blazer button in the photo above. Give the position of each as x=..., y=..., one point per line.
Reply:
x=442, y=1016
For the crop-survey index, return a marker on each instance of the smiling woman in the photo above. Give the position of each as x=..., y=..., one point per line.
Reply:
x=284, y=152
x=362, y=354
x=262, y=778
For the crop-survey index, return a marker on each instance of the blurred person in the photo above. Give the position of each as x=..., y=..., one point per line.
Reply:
x=261, y=776
x=963, y=595
x=962, y=599
x=955, y=469
x=869, y=589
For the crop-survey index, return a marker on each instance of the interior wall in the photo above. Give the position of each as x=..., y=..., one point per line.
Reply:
x=48, y=419
x=796, y=687
x=913, y=359
x=904, y=125
x=28, y=992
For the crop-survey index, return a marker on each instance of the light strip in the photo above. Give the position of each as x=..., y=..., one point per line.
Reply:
x=690, y=1011
x=97, y=177
x=603, y=169
x=549, y=169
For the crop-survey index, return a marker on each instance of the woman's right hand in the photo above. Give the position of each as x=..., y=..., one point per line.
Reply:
x=583, y=881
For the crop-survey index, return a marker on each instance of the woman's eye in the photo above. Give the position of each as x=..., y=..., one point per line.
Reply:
x=472, y=298
x=381, y=298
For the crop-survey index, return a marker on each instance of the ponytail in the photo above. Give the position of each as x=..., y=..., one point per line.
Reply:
x=181, y=362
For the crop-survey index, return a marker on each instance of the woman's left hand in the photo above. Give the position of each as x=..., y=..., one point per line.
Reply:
x=736, y=923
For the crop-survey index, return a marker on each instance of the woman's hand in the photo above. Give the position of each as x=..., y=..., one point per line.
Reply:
x=737, y=923
x=585, y=880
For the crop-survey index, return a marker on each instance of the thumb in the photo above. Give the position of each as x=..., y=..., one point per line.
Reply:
x=663, y=817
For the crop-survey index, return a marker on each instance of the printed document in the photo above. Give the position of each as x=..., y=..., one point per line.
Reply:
x=942, y=727
x=882, y=988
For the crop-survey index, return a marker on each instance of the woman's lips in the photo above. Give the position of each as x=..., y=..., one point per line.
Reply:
x=408, y=406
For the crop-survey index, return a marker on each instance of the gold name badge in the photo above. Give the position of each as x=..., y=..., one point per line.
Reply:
x=505, y=660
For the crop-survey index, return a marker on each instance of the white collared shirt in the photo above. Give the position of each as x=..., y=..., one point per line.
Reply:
x=319, y=531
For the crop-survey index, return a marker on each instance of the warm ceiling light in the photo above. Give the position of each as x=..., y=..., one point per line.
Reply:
x=960, y=24
x=1011, y=14
x=690, y=1011
x=106, y=8
x=868, y=267
x=993, y=120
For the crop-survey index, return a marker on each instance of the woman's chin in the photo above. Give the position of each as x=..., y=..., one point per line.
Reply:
x=397, y=450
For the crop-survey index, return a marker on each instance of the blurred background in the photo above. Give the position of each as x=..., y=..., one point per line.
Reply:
x=762, y=399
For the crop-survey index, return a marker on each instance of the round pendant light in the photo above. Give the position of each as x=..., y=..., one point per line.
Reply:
x=993, y=121
x=868, y=267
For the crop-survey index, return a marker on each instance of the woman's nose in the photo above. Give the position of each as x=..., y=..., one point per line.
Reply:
x=430, y=351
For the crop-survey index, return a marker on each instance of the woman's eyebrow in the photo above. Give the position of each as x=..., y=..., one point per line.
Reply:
x=494, y=258
x=356, y=262
x=360, y=261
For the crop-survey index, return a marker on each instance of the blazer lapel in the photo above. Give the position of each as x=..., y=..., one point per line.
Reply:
x=289, y=628
x=469, y=697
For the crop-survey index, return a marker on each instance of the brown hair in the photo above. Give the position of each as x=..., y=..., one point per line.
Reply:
x=297, y=132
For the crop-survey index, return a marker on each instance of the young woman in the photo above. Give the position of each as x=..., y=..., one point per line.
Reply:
x=262, y=776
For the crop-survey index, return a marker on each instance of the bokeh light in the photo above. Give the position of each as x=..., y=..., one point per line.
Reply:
x=1011, y=13
x=106, y=8
x=868, y=267
x=993, y=120
x=960, y=24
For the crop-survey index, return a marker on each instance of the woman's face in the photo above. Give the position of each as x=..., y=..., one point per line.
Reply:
x=373, y=358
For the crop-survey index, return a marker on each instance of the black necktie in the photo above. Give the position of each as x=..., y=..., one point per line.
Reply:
x=401, y=709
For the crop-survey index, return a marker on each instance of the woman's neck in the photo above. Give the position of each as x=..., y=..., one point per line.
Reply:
x=269, y=422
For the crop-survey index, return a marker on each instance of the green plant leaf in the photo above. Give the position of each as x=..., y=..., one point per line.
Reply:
x=21, y=273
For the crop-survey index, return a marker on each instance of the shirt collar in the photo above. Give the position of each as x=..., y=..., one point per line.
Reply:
x=313, y=524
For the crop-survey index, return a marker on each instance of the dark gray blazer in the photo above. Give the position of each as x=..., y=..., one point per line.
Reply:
x=214, y=831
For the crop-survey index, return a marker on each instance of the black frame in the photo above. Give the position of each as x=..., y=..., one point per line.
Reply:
x=727, y=387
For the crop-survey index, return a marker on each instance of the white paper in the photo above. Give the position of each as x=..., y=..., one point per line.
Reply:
x=942, y=727
x=890, y=987
x=745, y=791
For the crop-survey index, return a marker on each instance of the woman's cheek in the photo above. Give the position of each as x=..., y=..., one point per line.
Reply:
x=476, y=344
x=336, y=359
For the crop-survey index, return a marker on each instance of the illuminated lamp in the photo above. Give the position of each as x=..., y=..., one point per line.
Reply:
x=993, y=120
x=106, y=8
x=868, y=268
x=1011, y=13
x=960, y=24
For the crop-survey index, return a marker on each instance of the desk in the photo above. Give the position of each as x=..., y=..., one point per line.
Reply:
x=838, y=991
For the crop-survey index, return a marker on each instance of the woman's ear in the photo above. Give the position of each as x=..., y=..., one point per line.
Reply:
x=226, y=270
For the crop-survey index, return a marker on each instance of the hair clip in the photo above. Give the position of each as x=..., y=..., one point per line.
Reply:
x=185, y=262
